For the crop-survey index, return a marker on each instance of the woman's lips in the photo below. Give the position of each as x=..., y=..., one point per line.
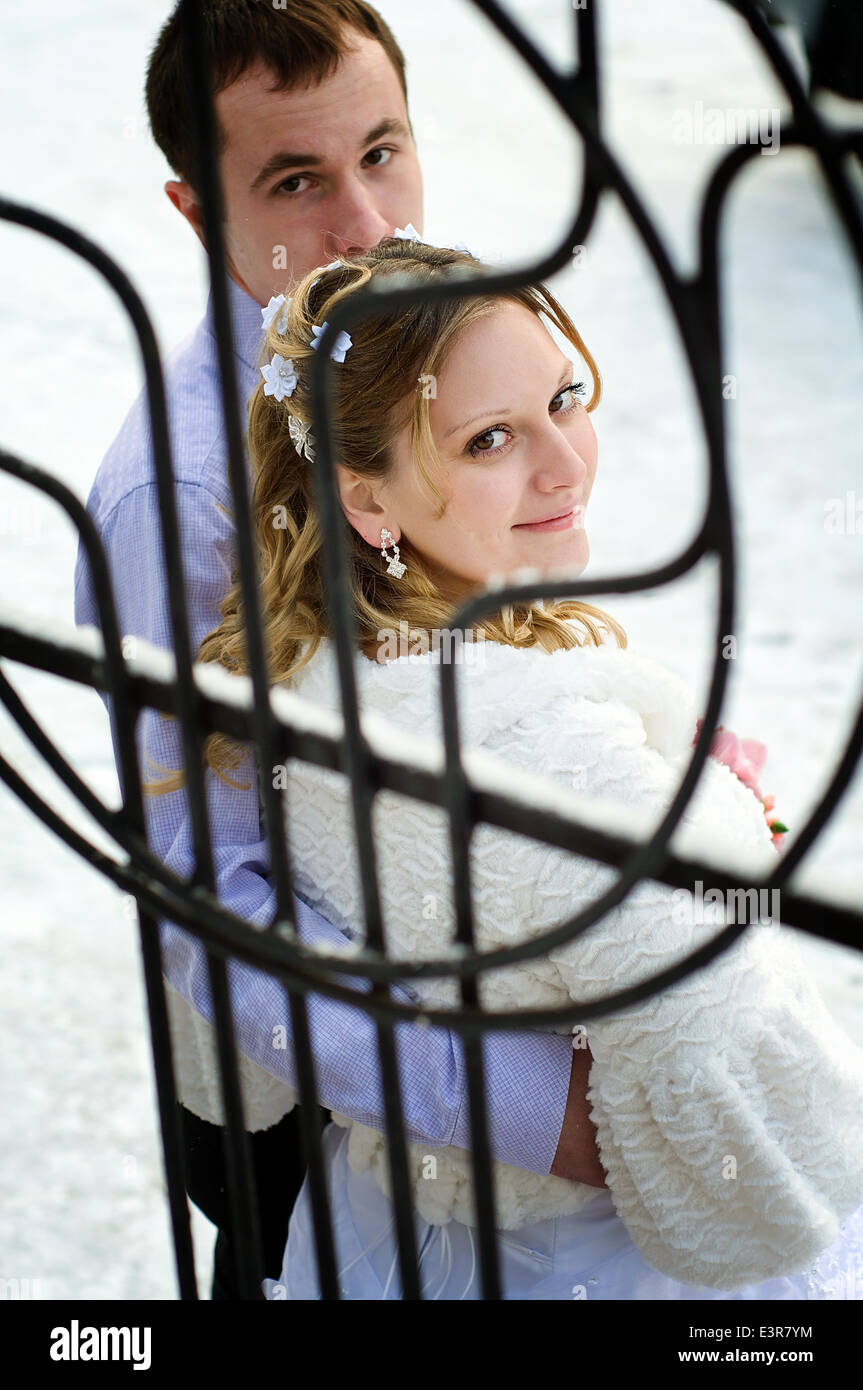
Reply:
x=573, y=518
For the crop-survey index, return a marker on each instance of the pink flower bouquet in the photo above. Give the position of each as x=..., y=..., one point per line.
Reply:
x=745, y=757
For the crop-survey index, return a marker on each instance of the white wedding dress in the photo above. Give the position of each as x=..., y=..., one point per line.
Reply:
x=729, y=1109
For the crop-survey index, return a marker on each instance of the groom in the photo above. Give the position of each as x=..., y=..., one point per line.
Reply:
x=317, y=159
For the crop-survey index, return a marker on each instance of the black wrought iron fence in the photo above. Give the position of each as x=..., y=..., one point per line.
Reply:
x=694, y=302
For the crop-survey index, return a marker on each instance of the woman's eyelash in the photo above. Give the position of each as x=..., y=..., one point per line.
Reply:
x=577, y=387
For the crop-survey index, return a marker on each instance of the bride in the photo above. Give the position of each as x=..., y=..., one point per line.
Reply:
x=728, y=1108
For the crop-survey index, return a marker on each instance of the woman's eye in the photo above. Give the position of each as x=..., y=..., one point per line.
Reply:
x=485, y=443
x=573, y=391
x=289, y=185
x=494, y=440
x=383, y=155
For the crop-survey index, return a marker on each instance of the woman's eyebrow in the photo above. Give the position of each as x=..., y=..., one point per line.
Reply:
x=563, y=380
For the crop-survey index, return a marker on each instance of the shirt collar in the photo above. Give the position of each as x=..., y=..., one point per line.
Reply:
x=245, y=321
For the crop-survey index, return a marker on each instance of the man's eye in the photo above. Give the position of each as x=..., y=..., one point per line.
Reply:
x=289, y=185
x=380, y=155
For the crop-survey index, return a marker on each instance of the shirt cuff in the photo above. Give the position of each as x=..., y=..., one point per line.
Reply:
x=527, y=1086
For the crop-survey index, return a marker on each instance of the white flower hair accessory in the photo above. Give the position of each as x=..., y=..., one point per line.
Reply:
x=277, y=305
x=302, y=437
x=280, y=376
x=410, y=233
x=344, y=342
x=333, y=265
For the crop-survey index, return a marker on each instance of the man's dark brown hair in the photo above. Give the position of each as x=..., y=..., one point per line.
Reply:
x=302, y=41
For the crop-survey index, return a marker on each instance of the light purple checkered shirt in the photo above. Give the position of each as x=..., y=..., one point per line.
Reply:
x=527, y=1072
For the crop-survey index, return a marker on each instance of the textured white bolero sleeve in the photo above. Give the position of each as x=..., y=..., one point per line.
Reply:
x=729, y=1110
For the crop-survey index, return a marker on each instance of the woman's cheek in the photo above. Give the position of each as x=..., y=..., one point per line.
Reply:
x=484, y=499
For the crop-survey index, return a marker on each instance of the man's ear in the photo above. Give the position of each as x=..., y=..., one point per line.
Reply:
x=359, y=506
x=185, y=200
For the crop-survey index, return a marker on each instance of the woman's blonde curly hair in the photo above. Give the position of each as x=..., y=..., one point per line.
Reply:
x=376, y=394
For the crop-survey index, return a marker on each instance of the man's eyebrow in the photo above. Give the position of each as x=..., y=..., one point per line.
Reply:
x=287, y=159
x=563, y=380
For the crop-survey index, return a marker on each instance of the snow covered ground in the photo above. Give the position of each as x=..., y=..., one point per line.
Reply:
x=81, y=1174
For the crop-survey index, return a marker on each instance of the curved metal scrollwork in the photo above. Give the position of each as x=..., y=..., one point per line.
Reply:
x=694, y=302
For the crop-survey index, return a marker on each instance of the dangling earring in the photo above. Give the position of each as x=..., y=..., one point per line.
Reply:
x=395, y=566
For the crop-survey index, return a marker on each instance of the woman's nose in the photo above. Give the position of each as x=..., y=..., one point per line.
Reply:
x=560, y=462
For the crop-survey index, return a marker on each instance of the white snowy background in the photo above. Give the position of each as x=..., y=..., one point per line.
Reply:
x=83, y=1210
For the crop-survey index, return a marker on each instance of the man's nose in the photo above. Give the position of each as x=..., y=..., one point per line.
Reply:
x=357, y=224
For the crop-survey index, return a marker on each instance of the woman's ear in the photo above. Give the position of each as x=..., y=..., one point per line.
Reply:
x=359, y=505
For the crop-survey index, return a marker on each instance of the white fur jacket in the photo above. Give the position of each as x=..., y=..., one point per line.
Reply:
x=729, y=1110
